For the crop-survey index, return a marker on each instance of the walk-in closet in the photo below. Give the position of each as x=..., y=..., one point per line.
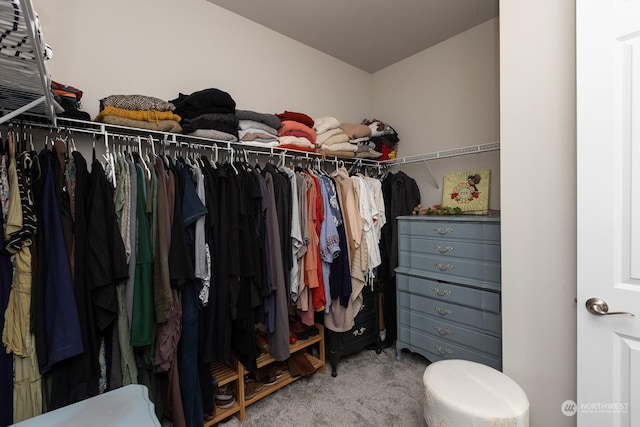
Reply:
x=200, y=211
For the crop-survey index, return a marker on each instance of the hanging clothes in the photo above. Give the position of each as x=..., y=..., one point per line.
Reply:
x=142, y=322
x=341, y=318
x=401, y=195
x=217, y=223
x=107, y=259
x=329, y=244
x=122, y=206
x=6, y=270
x=16, y=335
x=278, y=303
x=77, y=378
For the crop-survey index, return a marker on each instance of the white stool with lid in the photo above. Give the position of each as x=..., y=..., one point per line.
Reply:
x=461, y=393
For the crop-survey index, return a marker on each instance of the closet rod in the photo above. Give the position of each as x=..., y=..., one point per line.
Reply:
x=102, y=129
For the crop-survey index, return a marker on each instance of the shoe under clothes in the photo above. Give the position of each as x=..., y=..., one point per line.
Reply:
x=225, y=397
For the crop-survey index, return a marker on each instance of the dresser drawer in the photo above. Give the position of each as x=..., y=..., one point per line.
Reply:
x=477, y=319
x=468, y=271
x=449, y=292
x=483, y=231
x=364, y=331
x=452, y=332
x=436, y=349
x=450, y=248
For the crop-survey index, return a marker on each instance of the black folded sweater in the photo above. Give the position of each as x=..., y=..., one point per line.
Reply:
x=202, y=102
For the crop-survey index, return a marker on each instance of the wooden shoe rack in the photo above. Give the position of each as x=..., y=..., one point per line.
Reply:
x=234, y=374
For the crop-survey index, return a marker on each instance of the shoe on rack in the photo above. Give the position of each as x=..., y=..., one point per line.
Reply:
x=278, y=370
x=299, y=330
x=269, y=378
x=251, y=387
x=299, y=365
x=261, y=342
x=225, y=404
x=224, y=392
x=224, y=397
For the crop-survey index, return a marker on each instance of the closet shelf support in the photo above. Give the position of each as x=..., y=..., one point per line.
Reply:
x=431, y=175
x=23, y=109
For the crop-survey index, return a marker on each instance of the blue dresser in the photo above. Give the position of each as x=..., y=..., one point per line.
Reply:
x=448, y=288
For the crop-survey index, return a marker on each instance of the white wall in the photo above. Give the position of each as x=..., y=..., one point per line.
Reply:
x=163, y=47
x=445, y=97
x=538, y=138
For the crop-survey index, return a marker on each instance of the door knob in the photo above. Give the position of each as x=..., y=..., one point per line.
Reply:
x=599, y=307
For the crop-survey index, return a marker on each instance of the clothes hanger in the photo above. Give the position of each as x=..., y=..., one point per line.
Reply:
x=245, y=161
x=216, y=154
x=282, y=160
x=48, y=137
x=152, y=144
x=147, y=159
x=111, y=173
x=31, y=147
x=231, y=156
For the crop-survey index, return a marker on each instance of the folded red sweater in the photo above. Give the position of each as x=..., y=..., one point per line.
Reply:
x=297, y=117
x=293, y=128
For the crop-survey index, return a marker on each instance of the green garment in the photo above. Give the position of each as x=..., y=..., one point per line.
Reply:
x=142, y=322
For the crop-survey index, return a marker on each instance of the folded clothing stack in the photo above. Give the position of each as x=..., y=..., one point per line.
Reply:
x=208, y=113
x=69, y=98
x=296, y=131
x=139, y=111
x=344, y=139
x=258, y=128
x=384, y=137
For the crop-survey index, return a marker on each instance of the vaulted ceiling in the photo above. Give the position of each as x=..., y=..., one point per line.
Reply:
x=368, y=34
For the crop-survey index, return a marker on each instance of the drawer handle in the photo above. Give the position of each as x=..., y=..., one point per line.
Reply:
x=444, y=250
x=443, y=312
x=443, y=232
x=359, y=332
x=442, y=293
x=443, y=267
x=443, y=351
x=443, y=331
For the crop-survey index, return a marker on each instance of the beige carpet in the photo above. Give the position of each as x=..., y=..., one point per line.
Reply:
x=370, y=390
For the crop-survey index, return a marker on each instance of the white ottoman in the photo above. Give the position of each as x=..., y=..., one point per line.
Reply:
x=460, y=393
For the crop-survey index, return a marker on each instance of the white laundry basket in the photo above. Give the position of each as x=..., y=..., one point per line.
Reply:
x=461, y=393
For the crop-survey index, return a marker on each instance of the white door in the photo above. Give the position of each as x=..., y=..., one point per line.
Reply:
x=608, y=172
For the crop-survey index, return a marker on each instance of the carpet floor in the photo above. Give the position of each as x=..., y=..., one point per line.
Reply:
x=370, y=390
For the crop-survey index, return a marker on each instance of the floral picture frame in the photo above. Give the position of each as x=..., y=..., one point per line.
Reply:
x=468, y=190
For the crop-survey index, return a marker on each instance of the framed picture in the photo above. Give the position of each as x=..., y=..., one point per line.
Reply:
x=468, y=191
